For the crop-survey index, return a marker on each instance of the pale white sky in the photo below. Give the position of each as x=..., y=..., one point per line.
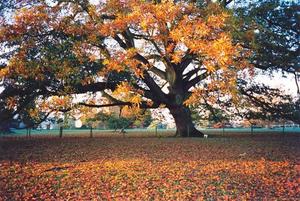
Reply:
x=276, y=80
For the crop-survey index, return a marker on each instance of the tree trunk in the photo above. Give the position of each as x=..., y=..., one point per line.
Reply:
x=184, y=123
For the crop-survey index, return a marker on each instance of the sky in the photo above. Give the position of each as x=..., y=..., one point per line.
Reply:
x=276, y=80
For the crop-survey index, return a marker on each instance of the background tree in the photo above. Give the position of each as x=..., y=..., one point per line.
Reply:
x=276, y=42
x=270, y=29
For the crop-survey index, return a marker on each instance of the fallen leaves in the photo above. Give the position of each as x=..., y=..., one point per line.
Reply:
x=149, y=169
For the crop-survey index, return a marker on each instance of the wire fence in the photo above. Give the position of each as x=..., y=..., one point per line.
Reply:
x=156, y=132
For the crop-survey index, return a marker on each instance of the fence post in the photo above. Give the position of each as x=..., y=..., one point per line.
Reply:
x=29, y=133
x=223, y=130
x=60, y=131
x=91, y=131
x=283, y=128
x=188, y=131
x=251, y=129
x=123, y=131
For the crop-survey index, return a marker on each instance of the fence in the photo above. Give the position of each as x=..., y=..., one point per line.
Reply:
x=145, y=132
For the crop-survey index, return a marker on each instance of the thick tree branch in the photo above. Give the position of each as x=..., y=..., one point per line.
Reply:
x=120, y=42
x=225, y=3
x=191, y=73
x=166, y=60
x=143, y=105
x=196, y=80
x=186, y=60
x=95, y=87
x=149, y=80
x=105, y=105
x=158, y=72
x=154, y=87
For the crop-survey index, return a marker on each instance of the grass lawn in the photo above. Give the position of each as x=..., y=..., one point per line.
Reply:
x=257, y=167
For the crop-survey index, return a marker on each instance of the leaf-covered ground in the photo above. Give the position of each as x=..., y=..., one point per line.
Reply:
x=262, y=167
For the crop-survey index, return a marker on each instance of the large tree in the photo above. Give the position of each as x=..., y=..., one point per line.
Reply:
x=139, y=54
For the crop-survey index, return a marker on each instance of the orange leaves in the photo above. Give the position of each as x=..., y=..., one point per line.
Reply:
x=26, y=20
x=124, y=60
x=116, y=168
x=127, y=93
x=31, y=16
x=11, y=102
x=210, y=66
x=4, y=72
x=34, y=113
x=136, y=100
x=113, y=65
x=131, y=111
x=217, y=21
x=60, y=102
x=177, y=56
x=222, y=50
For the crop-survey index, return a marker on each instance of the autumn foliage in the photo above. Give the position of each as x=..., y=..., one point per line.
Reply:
x=143, y=54
x=113, y=168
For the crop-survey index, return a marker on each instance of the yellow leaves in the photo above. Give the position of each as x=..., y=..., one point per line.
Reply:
x=177, y=56
x=123, y=88
x=4, y=72
x=192, y=99
x=34, y=113
x=113, y=65
x=144, y=25
x=136, y=100
x=131, y=52
x=222, y=50
x=130, y=111
x=176, y=35
x=92, y=57
x=125, y=61
x=127, y=93
x=92, y=11
x=60, y=102
x=176, y=28
x=92, y=38
x=201, y=29
x=210, y=67
x=43, y=105
x=139, y=72
x=217, y=21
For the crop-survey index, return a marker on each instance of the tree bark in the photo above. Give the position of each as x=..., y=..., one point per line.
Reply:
x=184, y=123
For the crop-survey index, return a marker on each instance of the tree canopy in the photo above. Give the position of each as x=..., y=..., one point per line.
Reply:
x=138, y=54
